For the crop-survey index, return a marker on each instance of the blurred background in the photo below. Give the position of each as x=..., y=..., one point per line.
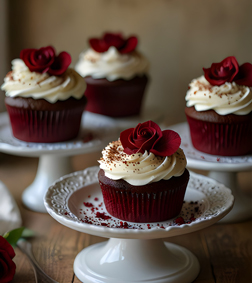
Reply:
x=179, y=37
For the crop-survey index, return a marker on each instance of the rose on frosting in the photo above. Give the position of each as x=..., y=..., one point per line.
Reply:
x=229, y=70
x=114, y=39
x=7, y=266
x=45, y=60
x=222, y=72
x=148, y=136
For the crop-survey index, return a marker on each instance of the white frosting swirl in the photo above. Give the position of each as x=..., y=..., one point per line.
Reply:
x=22, y=82
x=111, y=64
x=228, y=98
x=140, y=169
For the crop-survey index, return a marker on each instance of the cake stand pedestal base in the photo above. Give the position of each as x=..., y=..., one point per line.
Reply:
x=242, y=209
x=131, y=261
x=50, y=168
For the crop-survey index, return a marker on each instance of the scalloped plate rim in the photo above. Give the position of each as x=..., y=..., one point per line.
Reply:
x=193, y=226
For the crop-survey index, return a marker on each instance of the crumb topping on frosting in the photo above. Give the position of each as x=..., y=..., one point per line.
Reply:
x=229, y=98
x=22, y=82
x=140, y=169
x=111, y=64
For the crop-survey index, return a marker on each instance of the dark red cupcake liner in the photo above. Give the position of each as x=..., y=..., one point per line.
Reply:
x=119, y=98
x=143, y=207
x=224, y=139
x=44, y=126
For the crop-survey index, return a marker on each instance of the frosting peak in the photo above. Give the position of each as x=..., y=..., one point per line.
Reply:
x=111, y=64
x=140, y=168
x=229, y=98
x=22, y=82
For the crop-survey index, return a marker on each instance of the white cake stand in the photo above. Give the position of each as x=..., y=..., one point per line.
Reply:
x=223, y=169
x=135, y=251
x=54, y=158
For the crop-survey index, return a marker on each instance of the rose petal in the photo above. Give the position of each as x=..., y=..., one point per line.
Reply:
x=3, y=269
x=26, y=55
x=114, y=39
x=124, y=138
x=211, y=80
x=244, y=77
x=148, y=136
x=147, y=144
x=168, y=144
x=44, y=56
x=135, y=131
x=143, y=134
x=60, y=64
x=222, y=72
x=130, y=45
x=226, y=69
x=233, y=66
x=38, y=60
x=99, y=45
x=4, y=245
x=8, y=268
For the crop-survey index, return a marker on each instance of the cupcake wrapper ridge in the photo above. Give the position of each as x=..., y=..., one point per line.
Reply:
x=143, y=207
x=232, y=139
x=44, y=126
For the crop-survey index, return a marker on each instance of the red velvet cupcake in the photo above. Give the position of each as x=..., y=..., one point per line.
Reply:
x=44, y=98
x=116, y=75
x=143, y=176
x=219, y=109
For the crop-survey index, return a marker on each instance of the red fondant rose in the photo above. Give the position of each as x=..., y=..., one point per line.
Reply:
x=44, y=60
x=113, y=39
x=7, y=266
x=222, y=72
x=229, y=70
x=148, y=136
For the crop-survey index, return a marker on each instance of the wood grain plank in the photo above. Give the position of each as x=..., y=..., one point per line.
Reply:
x=230, y=249
x=195, y=242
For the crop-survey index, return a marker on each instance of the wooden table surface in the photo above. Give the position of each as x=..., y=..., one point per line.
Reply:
x=223, y=250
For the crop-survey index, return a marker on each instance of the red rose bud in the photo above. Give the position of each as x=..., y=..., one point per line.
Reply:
x=7, y=266
x=114, y=39
x=220, y=73
x=148, y=136
x=44, y=60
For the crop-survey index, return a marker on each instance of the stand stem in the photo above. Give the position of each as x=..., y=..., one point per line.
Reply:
x=130, y=261
x=50, y=168
x=242, y=209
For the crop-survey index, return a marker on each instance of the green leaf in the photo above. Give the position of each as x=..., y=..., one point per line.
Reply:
x=27, y=233
x=13, y=236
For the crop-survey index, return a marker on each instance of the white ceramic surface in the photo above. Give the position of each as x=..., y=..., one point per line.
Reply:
x=135, y=252
x=54, y=158
x=64, y=201
x=222, y=169
x=134, y=261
